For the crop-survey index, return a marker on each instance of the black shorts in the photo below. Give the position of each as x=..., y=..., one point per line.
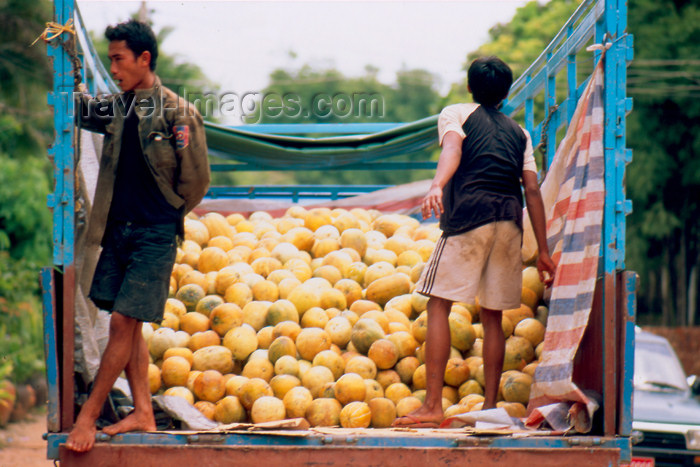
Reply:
x=133, y=273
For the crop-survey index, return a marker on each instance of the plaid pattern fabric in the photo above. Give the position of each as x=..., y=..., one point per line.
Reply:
x=575, y=189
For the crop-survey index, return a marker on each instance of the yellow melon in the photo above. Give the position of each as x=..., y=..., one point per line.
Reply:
x=531, y=329
x=296, y=401
x=212, y=258
x=330, y=360
x=333, y=298
x=470, y=386
x=383, y=412
x=350, y=387
x=190, y=294
x=385, y=378
x=419, y=327
x=383, y=353
x=258, y=368
x=265, y=290
x=239, y=294
x=154, y=379
x=323, y=412
x=208, y=303
x=360, y=307
x=216, y=225
x=191, y=252
x=378, y=270
x=196, y=231
x=373, y=390
x=340, y=330
x=456, y=372
x=516, y=387
x=208, y=409
x=281, y=310
x=180, y=391
x=252, y=390
x=281, y=384
x=241, y=341
x=224, y=317
x=407, y=405
x=287, y=365
x=304, y=297
x=516, y=315
x=234, y=383
x=311, y=341
x=315, y=378
x=462, y=333
x=356, y=415
x=287, y=328
x=209, y=386
x=354, y=238
x=175, y=371
x=419, y=377
x=531, y=280
x=255, y=314
x=200, y=340
x=361, y=365
x=280, y=347
x=518, y=353
x=406, y=367
x=229, y=410
x=183, y=352
x=356, y=272
x=405, y=343
x=314, y=317
x=409, y=258
x=514, y=409
x=364, y=333
x=214, y=357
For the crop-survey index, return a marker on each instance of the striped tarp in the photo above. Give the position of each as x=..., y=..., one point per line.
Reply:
x=574, y=194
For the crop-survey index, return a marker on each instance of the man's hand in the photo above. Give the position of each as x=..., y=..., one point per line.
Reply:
x=546, y=268
x=432, y=202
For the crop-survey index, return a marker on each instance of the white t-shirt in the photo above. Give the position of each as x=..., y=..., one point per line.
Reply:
x=453, y=117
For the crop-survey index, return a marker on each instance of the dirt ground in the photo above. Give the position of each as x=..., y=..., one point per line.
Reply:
x=22, y=445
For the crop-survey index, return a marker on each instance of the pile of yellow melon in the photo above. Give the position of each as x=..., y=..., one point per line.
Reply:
x=313, y=315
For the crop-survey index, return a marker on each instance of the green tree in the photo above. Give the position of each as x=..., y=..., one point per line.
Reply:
x=25, y=180
x=663, y=180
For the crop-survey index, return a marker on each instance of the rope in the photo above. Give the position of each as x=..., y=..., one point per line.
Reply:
x=542, y=147
x=54, y=31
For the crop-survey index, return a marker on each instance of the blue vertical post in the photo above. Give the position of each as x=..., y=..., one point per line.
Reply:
x=61, y=151
x=611, y=29
x=62, y=202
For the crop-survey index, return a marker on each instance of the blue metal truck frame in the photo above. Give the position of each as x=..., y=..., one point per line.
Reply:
x=597, y=21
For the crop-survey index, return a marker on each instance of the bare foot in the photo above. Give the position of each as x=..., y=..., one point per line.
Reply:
x=422, y=417
x=133, y=422
x=82, y=436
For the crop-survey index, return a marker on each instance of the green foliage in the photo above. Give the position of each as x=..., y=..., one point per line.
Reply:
x=25, y=121
x=25, y=221
x=21, y=336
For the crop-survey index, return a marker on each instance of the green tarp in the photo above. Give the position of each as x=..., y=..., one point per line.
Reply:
x=276, y=151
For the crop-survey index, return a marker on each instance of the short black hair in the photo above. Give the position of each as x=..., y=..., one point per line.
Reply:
x=489, y=79
x=139, y=38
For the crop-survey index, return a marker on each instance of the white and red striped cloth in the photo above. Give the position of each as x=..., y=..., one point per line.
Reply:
x=574, y=196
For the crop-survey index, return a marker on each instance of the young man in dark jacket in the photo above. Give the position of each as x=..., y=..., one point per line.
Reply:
x=154, y=169
x=485, y=158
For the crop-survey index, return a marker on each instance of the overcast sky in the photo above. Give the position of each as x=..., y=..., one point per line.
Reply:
x=237, y=44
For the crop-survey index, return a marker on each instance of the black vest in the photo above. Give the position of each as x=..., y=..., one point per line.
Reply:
x=486, y=185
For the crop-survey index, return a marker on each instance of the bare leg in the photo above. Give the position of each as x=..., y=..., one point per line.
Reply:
x=114, y=360
x=493, y=353
x=141, y=419
x=436, y=352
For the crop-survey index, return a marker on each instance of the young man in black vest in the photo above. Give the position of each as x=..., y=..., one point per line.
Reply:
x=485, y=158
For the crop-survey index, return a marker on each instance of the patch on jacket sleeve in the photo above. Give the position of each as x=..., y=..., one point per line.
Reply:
x=182, y=136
